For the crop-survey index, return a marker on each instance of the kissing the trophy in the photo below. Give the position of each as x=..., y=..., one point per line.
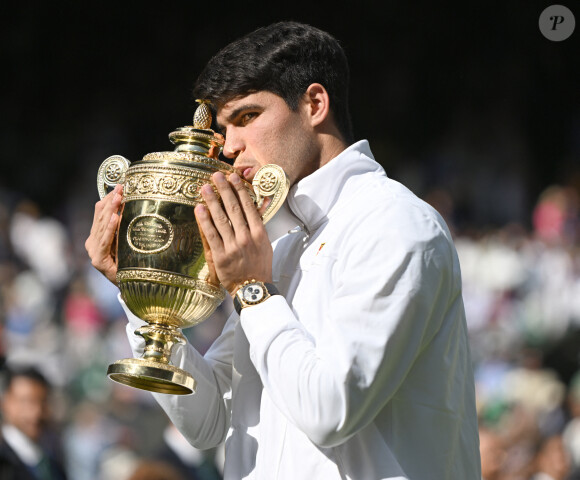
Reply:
x=161, y=269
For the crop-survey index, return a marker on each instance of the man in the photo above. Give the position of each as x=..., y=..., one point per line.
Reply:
x=350, y=359
x=24, y=420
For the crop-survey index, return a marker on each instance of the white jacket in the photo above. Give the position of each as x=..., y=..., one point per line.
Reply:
x=361, y=369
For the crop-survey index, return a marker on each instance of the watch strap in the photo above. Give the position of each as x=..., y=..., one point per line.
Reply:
x=271, y=290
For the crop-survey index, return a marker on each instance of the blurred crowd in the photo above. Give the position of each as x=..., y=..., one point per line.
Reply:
x=59, y=315
x=522, y=299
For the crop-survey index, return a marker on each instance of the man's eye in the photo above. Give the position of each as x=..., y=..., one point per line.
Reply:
x=247, y=117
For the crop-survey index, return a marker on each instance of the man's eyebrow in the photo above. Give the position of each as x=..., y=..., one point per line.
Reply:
x=235, y=113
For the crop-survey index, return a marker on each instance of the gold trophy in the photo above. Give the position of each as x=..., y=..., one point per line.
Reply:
x=162, y=273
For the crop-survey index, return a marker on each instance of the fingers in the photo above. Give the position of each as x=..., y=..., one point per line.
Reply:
x=105, y=207
x=252, y=216
x=213, y=220
x=240, y=208
x=233, y=234
x=232, y=204
x=100, y=243
x=108, y=236
x=104, y=212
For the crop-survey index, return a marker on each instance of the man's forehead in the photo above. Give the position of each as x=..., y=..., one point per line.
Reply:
x=22, y=384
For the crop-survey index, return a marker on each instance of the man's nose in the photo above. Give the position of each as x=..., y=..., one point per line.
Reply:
x=233, y=145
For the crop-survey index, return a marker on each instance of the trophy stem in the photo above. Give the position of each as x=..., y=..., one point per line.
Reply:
x=159, y=340
x=152, y=371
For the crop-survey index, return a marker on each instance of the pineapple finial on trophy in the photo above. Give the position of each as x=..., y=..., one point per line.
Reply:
x=199, y=138
x=202, y=117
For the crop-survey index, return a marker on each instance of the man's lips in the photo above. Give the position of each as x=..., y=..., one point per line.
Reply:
x=247, y=172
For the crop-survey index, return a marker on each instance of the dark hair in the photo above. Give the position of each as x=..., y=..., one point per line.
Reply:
x=283, y=58
x=29, y=372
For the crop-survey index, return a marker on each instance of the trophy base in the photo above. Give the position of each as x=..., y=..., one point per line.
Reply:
x=152, y=376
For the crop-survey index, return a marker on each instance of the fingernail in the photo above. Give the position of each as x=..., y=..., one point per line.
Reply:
x=219, y=178
x=235, y=178
x=201, y=211
x=206, y=190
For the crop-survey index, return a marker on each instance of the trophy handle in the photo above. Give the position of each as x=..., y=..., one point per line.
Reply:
x=270, y=182
x=111, y=172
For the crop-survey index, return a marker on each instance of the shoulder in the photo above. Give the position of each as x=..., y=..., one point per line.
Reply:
x=11, y=467
x=380, y=206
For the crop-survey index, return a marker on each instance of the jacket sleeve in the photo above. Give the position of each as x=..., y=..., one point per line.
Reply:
x=203, y=417
x=389, y=296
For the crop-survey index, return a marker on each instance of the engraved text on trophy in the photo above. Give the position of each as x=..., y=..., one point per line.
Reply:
x=149, y=233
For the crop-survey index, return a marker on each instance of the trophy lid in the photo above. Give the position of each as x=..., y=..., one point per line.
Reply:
x=199, y=138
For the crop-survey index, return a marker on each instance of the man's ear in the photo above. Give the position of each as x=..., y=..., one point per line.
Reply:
x=318, y=104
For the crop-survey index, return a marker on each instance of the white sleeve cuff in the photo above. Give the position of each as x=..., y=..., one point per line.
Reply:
x=137, y=342
x=262, y=323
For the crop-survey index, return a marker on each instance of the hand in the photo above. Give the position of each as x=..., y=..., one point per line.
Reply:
x=100, y=244
x=236, y=243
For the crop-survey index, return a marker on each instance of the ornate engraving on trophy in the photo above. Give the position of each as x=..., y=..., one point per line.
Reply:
x=149, y=233
x=169, y=185
x=268, y=182
x=164, y=183
x=111, y=172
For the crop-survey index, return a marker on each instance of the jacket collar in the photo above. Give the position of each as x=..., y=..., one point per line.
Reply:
x=28, y=451
x=313, y=197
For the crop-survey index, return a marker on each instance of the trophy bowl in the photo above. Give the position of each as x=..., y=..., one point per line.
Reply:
x=162, y=274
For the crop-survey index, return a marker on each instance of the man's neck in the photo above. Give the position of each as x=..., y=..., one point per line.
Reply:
x=331, y=145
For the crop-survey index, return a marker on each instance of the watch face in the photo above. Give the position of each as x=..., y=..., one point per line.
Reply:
x=253, y=293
